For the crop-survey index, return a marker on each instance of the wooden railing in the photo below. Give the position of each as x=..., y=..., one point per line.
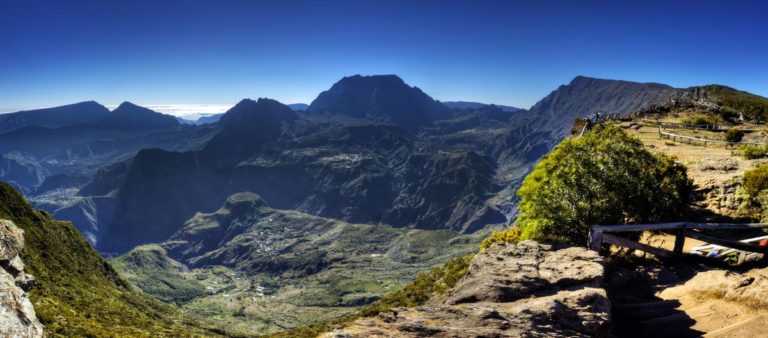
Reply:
x=702, y=141
x=674, y=125
x=607, y=234
x=711, y=127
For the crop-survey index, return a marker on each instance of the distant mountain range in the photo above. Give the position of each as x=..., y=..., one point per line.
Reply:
x=368, y=149
x=344, y=198
x=476, y=105
x=215, y=117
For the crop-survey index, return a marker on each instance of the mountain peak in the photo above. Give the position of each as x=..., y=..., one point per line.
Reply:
x=67, y=115
x=382, y=77
x=244, y=201
x=130, y=105
x=131, y=116
x=248, y=111
x=585, y=95
x=384, y=98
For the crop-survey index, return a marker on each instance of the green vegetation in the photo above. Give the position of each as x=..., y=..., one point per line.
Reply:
x=754, y=192
x=511, y=235
x=753, y=107
x=755, y=180
x=78, y=293
x=423, y=288
x=734, y=135
x=605, y=177
x=700, y=120
x=150, y=269
x=292, y=269
x=752, y=152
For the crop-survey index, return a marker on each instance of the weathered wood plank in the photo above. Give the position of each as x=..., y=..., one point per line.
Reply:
x=639, y=227
x=608, y=238
x=725, y=226
x=725, y=242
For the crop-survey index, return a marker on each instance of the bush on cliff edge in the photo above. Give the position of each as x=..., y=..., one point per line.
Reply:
x=604, y=177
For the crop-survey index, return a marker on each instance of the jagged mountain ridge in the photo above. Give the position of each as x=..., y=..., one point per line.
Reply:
x=338, y=162
x=78, y=150
x=359, y=169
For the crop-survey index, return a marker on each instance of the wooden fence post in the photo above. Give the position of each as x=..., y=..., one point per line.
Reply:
x=595, y=239
x=679, y=242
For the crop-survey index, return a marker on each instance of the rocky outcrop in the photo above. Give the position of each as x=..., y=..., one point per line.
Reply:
x=523, y=290
x=747, y=289
x=17, y=316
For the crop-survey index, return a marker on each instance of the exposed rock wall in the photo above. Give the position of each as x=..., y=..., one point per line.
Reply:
x=523, y=290
x=17, y=316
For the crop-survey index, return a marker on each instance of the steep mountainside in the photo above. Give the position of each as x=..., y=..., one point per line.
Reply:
x=355, y=171
x=586, y=95
x=77, y=293
x=69, y=115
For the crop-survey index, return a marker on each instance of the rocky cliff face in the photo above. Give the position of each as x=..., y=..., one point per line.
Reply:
x=17, y=316
x=523, y=290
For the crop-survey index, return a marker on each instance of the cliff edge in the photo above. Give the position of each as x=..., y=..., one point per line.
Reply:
x=514, y=290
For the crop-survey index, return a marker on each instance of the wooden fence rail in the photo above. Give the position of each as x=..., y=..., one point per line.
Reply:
x=711, y=127
x=607, y=234
x=703, y=141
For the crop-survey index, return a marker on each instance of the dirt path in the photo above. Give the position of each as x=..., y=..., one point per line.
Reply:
x=686, y=300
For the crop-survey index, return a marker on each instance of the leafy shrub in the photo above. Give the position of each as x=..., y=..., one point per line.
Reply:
x=751, y=152
x=605, y=177
x=762, y=200
x=734, y=135
x=511, y=235
x=700, y=120
x=755, y=180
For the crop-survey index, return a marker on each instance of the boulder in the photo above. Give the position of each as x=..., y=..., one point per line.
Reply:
x=11, y=240
x=17, y=315
x=522, y=290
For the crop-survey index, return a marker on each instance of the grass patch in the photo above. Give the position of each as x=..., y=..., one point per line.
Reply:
x=423, y=288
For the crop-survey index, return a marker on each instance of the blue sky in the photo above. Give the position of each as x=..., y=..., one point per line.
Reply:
x=506, y=52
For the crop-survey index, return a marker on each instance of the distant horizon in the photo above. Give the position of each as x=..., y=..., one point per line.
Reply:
x=193, y=111
x=504, y=52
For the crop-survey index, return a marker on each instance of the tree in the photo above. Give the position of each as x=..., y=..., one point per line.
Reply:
x=604, y=177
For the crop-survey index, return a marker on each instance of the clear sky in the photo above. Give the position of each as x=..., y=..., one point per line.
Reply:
x=506, y=52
